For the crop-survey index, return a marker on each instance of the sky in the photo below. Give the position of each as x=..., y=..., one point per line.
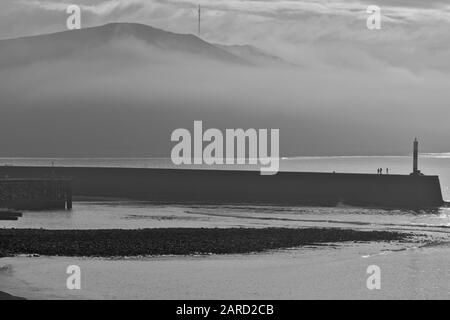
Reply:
x=356, y=91
x=305, y=31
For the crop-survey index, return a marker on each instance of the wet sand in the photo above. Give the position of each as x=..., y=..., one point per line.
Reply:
x=178, y=241
x=407, y=272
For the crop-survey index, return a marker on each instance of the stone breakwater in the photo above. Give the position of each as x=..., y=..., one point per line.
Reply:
x=6, y=296
x=8, y=214
x=35, y=194
x=176, y=241
x=244, y=187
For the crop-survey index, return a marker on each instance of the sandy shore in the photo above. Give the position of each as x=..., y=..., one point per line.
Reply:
x=407, y=272
x=175, y=263
x=176, y=241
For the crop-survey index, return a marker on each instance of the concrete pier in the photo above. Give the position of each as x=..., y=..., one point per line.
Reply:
x=35, y=194
x=8, y=214
x=246, y=187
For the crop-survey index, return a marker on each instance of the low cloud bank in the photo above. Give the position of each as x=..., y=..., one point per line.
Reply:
x=124, y=98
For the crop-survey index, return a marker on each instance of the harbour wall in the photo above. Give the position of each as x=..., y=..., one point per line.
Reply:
x=35, y=194
x=243, y=187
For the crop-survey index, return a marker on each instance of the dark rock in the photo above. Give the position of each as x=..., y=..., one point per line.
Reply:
x=176, y=241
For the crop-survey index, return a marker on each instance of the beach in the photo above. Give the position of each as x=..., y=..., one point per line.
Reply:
x=330, y=272
x=227, y=263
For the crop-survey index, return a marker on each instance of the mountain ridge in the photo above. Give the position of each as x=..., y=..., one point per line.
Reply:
x=29, y=49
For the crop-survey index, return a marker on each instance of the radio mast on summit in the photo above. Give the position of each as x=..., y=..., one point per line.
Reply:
x=199, y=19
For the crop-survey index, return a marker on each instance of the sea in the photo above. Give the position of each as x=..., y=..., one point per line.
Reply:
x=412, y=270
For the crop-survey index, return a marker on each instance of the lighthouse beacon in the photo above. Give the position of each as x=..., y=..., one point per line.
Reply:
x=416, y=171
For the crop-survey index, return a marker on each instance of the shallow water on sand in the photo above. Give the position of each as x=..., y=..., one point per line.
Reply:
x=135, y=215
x=324, y=273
